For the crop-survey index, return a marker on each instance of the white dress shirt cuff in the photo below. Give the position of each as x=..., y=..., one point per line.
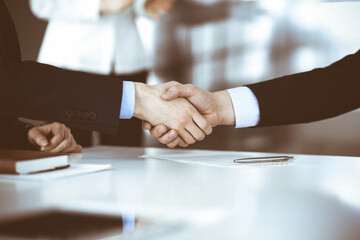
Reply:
x=128, y=100
x=246, y=107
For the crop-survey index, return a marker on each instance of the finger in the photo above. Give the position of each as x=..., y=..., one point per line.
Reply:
x=78, y=149
x=60, y=133
x=37, y=138
x=177, y=91
x=65, y=145
x=195, y=131
x=186, y=136
x=201, y=122
x=74, y=148
x=182, y=143
x=159, y=130
x=168, y=137
x=173, y=143
x=146, y=125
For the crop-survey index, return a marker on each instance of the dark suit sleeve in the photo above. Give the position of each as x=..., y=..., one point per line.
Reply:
x=38, y=91
x=310, y=96
x=77, y=99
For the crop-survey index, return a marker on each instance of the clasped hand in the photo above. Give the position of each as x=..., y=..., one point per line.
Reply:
x=181, y=114
x=177, y=114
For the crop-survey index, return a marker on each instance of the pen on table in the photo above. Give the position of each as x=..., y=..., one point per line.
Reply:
x=263, y=159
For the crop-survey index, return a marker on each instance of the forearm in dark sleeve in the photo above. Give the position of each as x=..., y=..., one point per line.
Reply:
x=310, y=96
x=77, y=99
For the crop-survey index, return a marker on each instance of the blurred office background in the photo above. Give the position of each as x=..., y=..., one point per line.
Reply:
x=218, y=44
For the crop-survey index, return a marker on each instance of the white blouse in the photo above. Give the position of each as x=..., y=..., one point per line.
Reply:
x=79, y=38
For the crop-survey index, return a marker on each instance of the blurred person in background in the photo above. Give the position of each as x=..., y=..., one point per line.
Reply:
x=99, y=36
x=78, y=99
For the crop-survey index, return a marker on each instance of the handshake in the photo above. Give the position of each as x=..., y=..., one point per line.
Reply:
x=179, y=114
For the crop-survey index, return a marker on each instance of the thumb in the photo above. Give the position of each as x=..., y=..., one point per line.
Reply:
x=185, y=91
x=36, y=136
x=171, y=93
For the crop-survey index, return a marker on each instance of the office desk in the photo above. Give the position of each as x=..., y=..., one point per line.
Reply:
x=319, y=199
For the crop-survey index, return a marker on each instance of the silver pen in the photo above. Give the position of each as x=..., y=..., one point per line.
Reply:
x=264, y=159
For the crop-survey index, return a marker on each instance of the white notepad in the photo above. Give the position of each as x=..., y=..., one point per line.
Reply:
x=25, y=162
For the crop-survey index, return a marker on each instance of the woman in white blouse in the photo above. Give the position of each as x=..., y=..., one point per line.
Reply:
x=99, y=36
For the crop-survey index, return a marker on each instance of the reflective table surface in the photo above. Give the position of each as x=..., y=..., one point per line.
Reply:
x=317, y=198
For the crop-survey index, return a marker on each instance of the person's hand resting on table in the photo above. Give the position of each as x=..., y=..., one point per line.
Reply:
x=54, y=137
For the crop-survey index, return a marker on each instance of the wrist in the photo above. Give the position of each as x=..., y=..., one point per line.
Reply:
x=224, y=108
x=139, y=96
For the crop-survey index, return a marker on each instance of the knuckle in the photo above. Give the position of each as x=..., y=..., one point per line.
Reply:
x=173, y=83
x=179, y=125
x=66, y=143
x=38, y=138
x=58, y=125
x=184, y=119
x=182, y=122
x=190, y=87
x=190, y=111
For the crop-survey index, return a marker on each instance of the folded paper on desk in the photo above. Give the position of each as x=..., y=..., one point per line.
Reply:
x=216, y=159
x=75, y=169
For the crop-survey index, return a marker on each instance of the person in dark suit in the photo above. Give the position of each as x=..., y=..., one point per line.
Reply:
x=82, y=100
x=298, y=98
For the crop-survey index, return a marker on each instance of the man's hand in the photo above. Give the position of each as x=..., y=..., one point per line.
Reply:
x=54, y=137
x=215, y=107
x=177, y=114
x=114, y=6
x=155, y=8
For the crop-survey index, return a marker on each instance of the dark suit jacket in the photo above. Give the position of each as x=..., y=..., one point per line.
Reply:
x=38, y=91
x=310, y=96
